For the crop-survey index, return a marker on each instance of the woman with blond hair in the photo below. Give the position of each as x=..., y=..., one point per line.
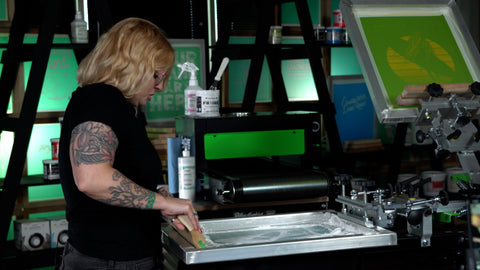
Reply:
x=109, y=169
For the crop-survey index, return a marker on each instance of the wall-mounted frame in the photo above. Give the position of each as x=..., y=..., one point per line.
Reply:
x=355, y=115
x=409, y=42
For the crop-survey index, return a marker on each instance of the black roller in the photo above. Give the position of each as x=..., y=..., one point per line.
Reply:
x=278, y=188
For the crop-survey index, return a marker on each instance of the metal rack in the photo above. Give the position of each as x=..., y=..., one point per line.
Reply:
x=311, y=50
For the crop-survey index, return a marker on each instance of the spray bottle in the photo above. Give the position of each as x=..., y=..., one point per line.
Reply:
x=79, y=29
x=186, y=173
x=191, y=90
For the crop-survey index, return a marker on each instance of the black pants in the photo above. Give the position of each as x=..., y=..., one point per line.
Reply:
x=74, y=260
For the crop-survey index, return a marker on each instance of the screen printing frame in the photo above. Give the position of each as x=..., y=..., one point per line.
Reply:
x=354, y=10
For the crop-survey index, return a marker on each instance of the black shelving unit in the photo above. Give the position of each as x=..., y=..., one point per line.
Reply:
x=275, y=53
x=21, y=125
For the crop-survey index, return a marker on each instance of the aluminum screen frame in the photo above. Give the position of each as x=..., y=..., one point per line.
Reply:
x=354, y=10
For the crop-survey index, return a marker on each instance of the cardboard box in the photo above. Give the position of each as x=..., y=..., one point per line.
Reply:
x=58, y=231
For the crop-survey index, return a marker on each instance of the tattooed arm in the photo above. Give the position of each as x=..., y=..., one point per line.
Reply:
x=92, y=152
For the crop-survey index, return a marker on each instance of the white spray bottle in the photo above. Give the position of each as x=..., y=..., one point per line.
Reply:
x=191, y=90
x=186, y=173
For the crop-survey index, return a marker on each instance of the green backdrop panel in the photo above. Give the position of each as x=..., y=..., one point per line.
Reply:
x=344, y=62
x=46, y=192
x=39, y=148
x=6, y=143
x=254, y=144
x=60, y=77
x=3, y=10
x=289, y=12
x=238, y=75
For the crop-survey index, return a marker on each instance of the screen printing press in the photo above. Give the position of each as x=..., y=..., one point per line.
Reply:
x=375, y=228
x=372, y=231
x=365, y=228
x=421, y=66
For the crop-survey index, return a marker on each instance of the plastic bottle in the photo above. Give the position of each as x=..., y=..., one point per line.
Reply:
x=211, y=98
x=79, y=29
x=186, y=173
x=191, y=91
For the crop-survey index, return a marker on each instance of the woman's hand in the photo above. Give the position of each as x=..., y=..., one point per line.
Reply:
x=172, y=207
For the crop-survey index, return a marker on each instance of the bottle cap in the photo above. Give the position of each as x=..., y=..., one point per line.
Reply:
x=78, y=15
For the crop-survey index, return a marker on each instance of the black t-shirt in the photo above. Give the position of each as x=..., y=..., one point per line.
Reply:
x=97, y=229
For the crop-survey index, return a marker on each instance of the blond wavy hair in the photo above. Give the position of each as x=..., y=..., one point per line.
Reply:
x=127, y=56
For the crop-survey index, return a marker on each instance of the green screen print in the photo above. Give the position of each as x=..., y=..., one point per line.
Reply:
x=414, y=50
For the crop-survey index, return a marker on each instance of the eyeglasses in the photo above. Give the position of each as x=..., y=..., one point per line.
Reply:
x=159, y=77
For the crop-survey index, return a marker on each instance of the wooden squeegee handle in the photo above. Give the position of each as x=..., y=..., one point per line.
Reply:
x=186, y=222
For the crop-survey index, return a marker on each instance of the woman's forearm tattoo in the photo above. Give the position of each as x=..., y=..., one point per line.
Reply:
x=129, y=194
x=164, y=192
